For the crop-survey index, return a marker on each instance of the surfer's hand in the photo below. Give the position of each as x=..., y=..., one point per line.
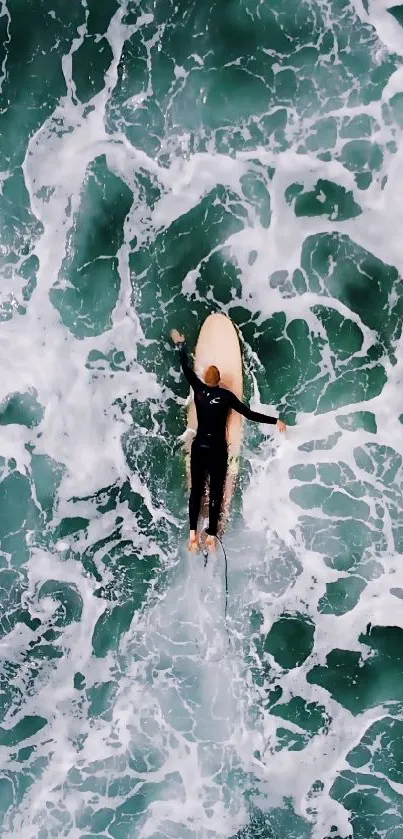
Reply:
x=280, y=425
x=177, y=337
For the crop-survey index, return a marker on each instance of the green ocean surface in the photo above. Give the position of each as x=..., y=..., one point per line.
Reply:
x=160, y=161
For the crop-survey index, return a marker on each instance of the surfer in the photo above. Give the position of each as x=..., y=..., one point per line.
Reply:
x=209, y=453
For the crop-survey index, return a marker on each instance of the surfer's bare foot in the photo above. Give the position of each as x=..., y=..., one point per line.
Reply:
x=281, y=425
x=210, y=542
x=193, y=542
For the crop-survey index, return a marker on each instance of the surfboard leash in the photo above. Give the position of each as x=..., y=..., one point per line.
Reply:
x=226, y=580
x=206, y=555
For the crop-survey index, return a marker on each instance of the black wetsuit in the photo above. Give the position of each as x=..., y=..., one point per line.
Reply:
x=209, y=455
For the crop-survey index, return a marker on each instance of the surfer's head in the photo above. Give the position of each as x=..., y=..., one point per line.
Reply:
x=212, y=376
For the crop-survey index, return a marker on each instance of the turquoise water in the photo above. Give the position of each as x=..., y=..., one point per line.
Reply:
x=160, y=161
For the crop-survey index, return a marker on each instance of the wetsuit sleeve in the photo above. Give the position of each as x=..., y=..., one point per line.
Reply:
x=189, y=373
x=247, y=412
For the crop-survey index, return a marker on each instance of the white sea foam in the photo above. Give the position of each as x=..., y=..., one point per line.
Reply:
x=198, y=722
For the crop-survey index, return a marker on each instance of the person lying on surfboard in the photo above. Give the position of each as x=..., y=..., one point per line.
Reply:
x=209, y=453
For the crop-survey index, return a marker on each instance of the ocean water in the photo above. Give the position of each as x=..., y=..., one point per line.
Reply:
x=159, y=161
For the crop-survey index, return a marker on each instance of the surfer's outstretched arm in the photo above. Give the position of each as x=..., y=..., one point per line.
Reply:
x=189, y=373
x=247, y=412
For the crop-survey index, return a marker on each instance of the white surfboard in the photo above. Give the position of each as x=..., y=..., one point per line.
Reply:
x=218, y=344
